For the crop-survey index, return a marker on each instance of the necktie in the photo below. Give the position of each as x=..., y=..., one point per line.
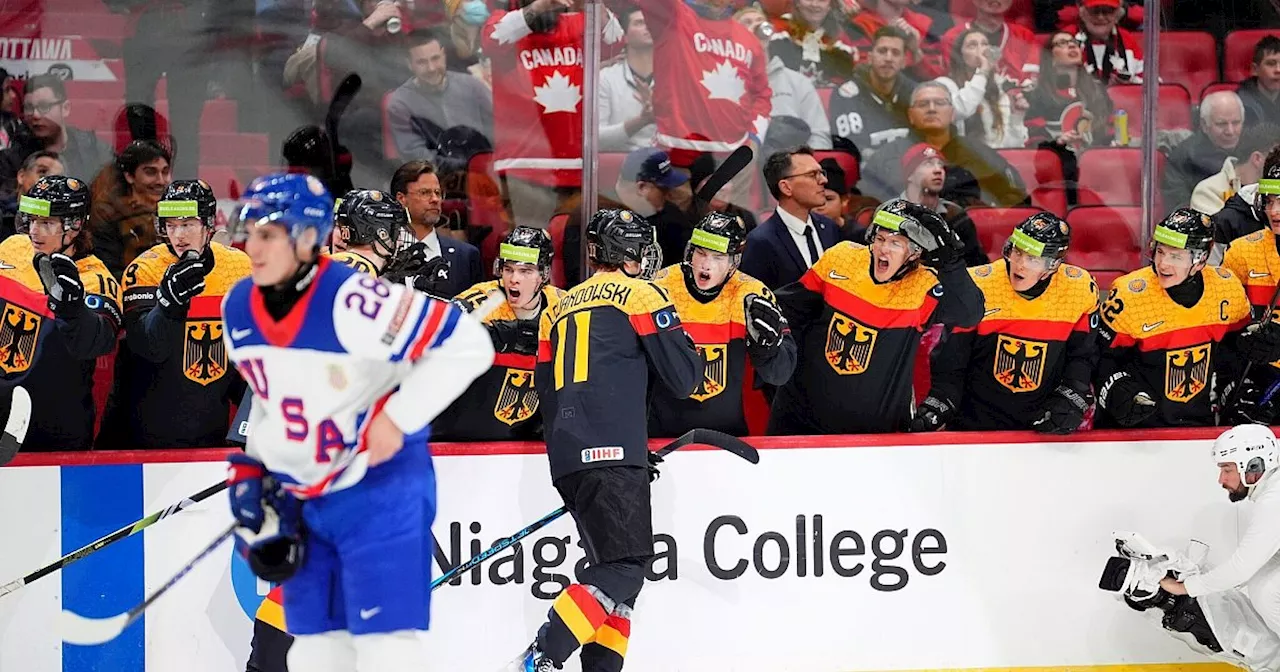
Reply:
x=812, y=240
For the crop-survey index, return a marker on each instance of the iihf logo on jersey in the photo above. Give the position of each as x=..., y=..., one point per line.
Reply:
x=18, y=339
x=603, y=454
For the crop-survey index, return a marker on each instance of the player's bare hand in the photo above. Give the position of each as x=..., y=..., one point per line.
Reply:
x=384, y=439
x=1173, y=586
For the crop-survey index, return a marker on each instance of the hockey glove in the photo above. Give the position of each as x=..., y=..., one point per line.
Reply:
x=765, y=323
x=1247, y=407
x=182, y=281
x=654, y=460
x=942, y=247
x=61, y=280
x=433, y=279
x=1260, y=342
x=1062, y=412
x=518, y=336
x=1126, y=399
x=931, y=415
x=408, y=262
x=245, y=477
x=275, y=551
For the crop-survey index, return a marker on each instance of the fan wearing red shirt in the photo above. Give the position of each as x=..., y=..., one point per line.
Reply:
x=924, y=53
x=1112, y=54
x=1019, y=55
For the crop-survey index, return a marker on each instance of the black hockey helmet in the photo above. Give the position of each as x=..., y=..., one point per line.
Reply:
x=615, y=236
x=893, y=216
x=376, y=219
x=342, y=207
x=1185, y=229
x=56, y=196
x=186, y=198
x=1268, y=182
x=526, y=245
x=719, y=232
x=1043, y=235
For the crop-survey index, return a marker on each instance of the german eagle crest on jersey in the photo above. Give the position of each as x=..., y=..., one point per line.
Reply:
x=714, y=356
x=849, y=345
x=518, y=399
x=204, y=356
x=1186, y=372
x=1019, y=363
x=18, y=339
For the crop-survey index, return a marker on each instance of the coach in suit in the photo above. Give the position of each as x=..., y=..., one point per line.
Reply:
x=786, y=244
x=417, y=187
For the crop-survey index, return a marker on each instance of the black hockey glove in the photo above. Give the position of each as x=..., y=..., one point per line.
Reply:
x=61, y=280
x=654, y=460
x=433, y=279
x=765, y=323
x=1126, y=399
x=518, y=336
x=1246, y=406
x=1062, y=412
x=409, y=262
x=931, y=415
x=1260, y=342
x=182, y=281
x=942, y=247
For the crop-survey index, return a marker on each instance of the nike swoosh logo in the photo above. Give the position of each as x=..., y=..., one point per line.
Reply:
x=366, y=614
x=836, y=276
x=1150, y=327
x=993, y=311
x=238, y=334
x=1255, y=274
x=5, y=267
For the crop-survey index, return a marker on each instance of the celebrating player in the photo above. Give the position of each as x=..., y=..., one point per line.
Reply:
x=595, y=349
x=1029, y=363
x=503, y=403
x=176, y=388
x=53, y=255
x=859, y=313
x=347, y=372
x=730, y=316
x=1162, y=328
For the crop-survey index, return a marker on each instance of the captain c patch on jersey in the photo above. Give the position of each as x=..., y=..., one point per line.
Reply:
x=849, y=345
x=1019, y=363
x=204, y=356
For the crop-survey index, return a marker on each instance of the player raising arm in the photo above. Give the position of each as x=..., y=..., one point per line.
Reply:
x=595, y=349
x=347, y=372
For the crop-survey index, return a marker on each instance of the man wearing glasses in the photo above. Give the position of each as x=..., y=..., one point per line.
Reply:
x=45, y=110
x=785, y=245
x=417, y=187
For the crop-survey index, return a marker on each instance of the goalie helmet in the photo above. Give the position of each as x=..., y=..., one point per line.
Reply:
x=1042, y=235
x=1185, y=229
x=375, y=219
x=615, y=236
x=56, y=197
x=526, y=245
x=1252, y=448
x=184, y=199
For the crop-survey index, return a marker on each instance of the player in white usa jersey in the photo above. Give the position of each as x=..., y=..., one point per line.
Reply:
x=347, y=373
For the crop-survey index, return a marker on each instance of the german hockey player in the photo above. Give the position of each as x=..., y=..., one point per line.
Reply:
x=502, y=404
x=1168, y=328
x=732, y=318
x=859, y=314
x=53, y=254
x=595, y=350
x=373, y=229
x=175, y=388
x=1029, y=363
x=347, y=373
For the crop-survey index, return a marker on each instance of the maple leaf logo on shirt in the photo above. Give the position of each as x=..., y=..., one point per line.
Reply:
x=723, y=83
x=557, y=94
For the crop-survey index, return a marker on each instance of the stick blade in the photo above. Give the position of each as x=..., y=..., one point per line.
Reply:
x=15, y=428
x=715, y=439
x=82, y=631
x=733, y=164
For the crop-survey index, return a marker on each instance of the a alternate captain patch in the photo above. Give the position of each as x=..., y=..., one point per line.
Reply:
x=18, y=338
x=204, y=356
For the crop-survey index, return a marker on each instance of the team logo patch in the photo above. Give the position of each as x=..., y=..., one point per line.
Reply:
x=18, y=339
x=1019, y=363
x=1186, y=372
x=1254, y=237
x=849, y=345
x=204, y=357
x=73, y=184
x=605, y=454
x=982, y=271
x=715, y=371
x=337, y=377
x=1137, y=285
x=1073, y=272
x=517, y=400
x=1222, y=272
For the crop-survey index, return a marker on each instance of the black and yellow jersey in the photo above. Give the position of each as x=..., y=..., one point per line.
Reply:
x=1256, y=264
x=1172, y=350
x=998, y=374
x=175, y=384
x=61, y=379
x=355, y=260
x=502, y=404
x=25, y=323
x=858, y=342
x=595, y=350
x=719, y=331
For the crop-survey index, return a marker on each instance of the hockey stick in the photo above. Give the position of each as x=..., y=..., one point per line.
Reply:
x=342, y=97
x=15, y=428
x=734, y=164
x=77, y=629
x=1229, y=402
x=126, y=531
x=708, y=437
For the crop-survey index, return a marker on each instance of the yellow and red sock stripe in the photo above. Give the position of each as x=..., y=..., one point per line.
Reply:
x=580, y=612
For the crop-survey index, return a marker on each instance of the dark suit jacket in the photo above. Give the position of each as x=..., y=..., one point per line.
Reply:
x=772, y=256
x=464, y=265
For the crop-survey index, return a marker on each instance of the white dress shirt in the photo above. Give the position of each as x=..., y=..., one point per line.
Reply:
x=796, y=228
x=432, y=241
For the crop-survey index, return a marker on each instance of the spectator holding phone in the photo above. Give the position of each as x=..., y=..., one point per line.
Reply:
x=981, y=94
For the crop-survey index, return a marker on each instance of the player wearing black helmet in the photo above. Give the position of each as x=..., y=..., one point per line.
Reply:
x=858, y=314
x=371, y=229
x=175, y=388
x=730, y=316
x=595, y=350
x=53, y=255
x=1029, y=363
x=503, y=403
x=1168, y=328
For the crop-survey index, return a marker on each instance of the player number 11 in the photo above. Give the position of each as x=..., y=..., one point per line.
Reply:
x=578, y=327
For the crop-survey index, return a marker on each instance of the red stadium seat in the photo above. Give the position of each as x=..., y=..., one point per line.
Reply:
x=234, y=149
x=1105, y=279
x=1105, y=237
x=995, y=224
x=608, y=167
x=1113, y=176
x=1219, y=86
x=221, y=115
x=1189, y=58
x=221, y=179
x=1237, y=58
x=1173, y=111
x=1041, y=171
x=848, y=163
x=389, y=148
